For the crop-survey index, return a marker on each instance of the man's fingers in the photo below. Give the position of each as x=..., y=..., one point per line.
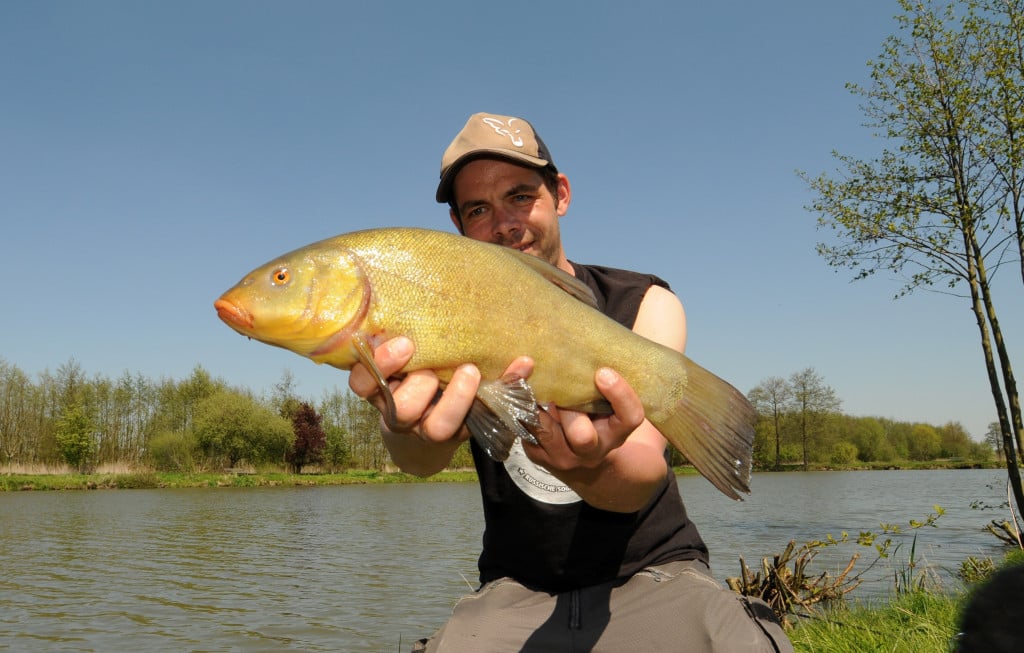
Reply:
x=629, y=411
x=448, y=414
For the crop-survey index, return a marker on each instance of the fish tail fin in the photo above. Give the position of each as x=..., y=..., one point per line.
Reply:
x=713, y=426
x=502, y=411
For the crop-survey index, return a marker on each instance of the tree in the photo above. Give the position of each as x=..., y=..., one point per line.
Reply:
x=945, y=206
x=233, y=426
x=994, y=439
x=812, y=400
x=925, y=443
x=15, y=413
x=310, y=439
x=956, y=442
x=284, y=397
x=74, y=432
x=771, y=399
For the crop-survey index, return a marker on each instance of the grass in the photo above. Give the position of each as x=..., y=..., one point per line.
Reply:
x=909, y=623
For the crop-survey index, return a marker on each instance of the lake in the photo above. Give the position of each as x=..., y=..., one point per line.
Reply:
x=372, y=568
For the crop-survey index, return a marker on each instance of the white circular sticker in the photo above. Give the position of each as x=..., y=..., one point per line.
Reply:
x=538, y=483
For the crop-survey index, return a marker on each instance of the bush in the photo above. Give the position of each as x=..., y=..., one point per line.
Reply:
x=844, y=453
x=172, y=452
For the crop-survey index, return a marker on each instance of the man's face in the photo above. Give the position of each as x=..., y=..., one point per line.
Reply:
x=509, y=205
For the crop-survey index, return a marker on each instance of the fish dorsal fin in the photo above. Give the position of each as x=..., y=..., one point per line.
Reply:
x=563, y=280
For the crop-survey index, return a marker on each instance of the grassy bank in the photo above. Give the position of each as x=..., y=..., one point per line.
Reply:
x=13, y=480
x=149, y=480
x=912, y=623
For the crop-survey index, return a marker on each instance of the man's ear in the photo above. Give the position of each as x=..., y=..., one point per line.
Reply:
x=564, y=195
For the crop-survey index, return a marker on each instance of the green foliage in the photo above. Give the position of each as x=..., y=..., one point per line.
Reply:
x=843, y=453
x=336, y=454
x=74, y=434
x=231, y=427
x=173, y=452
x=925, y=443
x=463, y=457
x=973, y=570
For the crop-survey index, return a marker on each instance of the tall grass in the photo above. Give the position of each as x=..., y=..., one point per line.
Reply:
x=915, y=622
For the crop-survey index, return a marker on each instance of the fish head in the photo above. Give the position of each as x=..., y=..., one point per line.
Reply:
x=311, y=301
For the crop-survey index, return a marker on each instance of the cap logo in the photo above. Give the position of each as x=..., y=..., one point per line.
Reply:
x=506, y=130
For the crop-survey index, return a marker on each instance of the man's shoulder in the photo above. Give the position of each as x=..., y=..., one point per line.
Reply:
x=618, y=292
x=609, y=276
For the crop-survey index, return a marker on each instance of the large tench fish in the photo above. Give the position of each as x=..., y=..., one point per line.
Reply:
x=464, y=301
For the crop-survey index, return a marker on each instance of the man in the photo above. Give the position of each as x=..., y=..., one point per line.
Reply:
x=587, y=545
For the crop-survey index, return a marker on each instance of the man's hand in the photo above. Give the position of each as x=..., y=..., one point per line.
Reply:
x=570, y=439
x=430, y=426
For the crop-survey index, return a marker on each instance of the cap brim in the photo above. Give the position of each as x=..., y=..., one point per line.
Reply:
x=444, y=188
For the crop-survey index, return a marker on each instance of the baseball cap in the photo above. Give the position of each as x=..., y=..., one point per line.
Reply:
x=487, y=134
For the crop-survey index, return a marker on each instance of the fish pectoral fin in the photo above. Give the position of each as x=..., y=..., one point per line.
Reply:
x=502, y=411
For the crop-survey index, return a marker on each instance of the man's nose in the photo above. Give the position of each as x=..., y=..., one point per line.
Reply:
x=506, y=222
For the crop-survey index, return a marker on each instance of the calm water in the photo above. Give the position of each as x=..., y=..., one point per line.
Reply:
x=371, y=568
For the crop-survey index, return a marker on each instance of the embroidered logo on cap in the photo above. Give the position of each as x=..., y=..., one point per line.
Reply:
x=506, y=130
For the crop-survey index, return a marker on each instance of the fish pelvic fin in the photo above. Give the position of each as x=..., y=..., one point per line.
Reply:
x=713, y=426
x=364, y=354
x=503, y=410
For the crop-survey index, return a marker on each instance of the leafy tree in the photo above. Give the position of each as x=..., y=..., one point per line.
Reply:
x=285, y=398
x=994, y=439
x=944, y=206
x=868, y=435
x=233, y=426
x=74, y=433
x=15, y=412
x=310, y=439
x=925, y=443
x=812, y=401
x=346, y=414
x=956, y=442
x=772, y=398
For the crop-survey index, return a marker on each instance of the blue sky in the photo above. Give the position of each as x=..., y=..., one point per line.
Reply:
x=151, y=153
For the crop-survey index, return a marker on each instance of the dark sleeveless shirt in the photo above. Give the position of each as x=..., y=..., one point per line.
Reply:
x=558, y=547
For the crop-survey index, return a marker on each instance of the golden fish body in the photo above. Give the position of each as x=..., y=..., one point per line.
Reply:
x=464, y=301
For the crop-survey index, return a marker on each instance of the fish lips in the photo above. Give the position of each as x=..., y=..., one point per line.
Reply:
x=234, y=315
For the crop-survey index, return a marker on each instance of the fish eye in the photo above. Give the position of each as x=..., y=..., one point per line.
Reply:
x=280, y=277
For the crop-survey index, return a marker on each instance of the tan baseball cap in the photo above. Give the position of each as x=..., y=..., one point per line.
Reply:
x=487, y=134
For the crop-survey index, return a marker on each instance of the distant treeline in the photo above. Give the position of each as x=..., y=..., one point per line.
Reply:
x=799, y=422
x=200, y=423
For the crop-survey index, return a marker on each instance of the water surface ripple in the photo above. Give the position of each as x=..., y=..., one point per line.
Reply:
x=371, y=568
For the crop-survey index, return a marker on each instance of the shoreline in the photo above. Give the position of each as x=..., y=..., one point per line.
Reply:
x=11, y=481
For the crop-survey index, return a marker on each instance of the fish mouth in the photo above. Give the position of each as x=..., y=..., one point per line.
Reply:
x=233, y=315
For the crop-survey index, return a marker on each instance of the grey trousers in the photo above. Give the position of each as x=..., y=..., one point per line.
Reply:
x=673, y=607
